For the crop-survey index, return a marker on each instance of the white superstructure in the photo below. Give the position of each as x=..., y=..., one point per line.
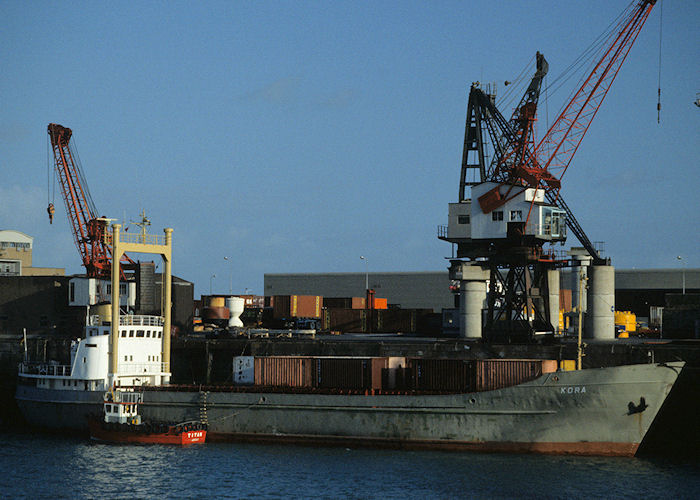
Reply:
x=140, y=341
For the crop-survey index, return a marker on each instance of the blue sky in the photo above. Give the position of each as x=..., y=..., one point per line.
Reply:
x=297, y=136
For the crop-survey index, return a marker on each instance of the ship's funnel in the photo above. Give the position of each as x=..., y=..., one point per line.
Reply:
x=235, y=306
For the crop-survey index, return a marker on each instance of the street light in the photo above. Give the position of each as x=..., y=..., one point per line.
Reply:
x=230, y=279
x=682, y=264
x=362, y=257
x=211, y=280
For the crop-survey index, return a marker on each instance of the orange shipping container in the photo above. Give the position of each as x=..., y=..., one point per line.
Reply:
x=492, y=374
x=379, y=303
x=284, y=371
x=358, y=302
x=297, y=306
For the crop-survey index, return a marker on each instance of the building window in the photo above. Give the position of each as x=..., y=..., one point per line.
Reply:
x=131, y=333
x=516, y=215
x=497, y=215
x=126, y=358
x=148, y=333
x=463, y=219
x=71, y=289
x=123, y=333
x=139, y=333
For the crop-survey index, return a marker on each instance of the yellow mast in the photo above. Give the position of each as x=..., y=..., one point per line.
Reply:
x=140, y=243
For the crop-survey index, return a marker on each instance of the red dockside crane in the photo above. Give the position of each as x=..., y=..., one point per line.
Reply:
x=507, y=228
x=89, y=230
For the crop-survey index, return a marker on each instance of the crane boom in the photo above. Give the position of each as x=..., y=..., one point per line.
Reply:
x=89, y=230
x=563, y=138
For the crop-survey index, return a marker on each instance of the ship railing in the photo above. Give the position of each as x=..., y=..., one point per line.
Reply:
x=146, y=239
x=50, y=370
x=120, y=396
x=147, y=368
x=140, y=320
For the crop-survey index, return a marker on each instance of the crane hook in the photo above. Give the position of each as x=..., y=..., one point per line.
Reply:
x=50, y=209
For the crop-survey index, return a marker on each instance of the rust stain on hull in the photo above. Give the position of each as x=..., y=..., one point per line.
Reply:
x=610, y=449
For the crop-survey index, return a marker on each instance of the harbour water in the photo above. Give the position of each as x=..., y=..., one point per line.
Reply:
x=51, y=466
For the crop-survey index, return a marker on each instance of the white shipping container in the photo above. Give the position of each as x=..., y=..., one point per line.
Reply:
x=244, y=370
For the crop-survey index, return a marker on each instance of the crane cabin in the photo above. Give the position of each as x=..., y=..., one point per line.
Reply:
x=524, y=213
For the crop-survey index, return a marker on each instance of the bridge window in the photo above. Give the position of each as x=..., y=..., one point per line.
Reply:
x=463, y=219
x=123, y=333
x=139, y=333
x=516, y=216
x=148, y=333
x=497, y=215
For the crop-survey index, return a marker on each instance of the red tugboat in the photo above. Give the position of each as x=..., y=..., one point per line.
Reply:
x=122, y=424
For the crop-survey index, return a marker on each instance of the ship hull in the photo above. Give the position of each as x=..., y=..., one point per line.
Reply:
x=603, y=411
x=99, y=432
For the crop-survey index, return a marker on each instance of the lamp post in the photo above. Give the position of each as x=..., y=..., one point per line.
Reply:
x=211, y=282
x=230, y=277
x=683, y=265
x=362, y=257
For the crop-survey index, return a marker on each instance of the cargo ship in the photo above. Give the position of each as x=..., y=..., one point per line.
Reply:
x=489, y=405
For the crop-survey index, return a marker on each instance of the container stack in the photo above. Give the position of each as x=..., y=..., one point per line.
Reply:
x=386, y=373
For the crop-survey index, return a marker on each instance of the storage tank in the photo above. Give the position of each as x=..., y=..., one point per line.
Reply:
x=600, y=320
x=235, y=306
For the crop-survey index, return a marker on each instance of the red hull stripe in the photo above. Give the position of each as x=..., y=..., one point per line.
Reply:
x=556, y=448
x=188, y=437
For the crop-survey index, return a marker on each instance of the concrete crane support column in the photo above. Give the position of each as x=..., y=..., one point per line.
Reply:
x=472, y=295
x=471, y=303
x=600, y=321
x=553, y=287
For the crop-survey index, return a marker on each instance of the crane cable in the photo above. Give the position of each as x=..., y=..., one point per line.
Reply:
x=50, y=193
x=658, y=103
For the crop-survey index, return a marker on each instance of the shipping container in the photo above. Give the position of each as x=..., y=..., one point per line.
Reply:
x=492, y=374
x=358, y=303
x=448, y=375
x=337, y=302
x=378, y=303
x=284, y=371
x=244, y=370
x=297, y=306
x=344, y=373
x=345, y=320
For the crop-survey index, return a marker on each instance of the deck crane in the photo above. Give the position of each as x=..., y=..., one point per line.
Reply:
x=516, y=205
x=89, y=230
